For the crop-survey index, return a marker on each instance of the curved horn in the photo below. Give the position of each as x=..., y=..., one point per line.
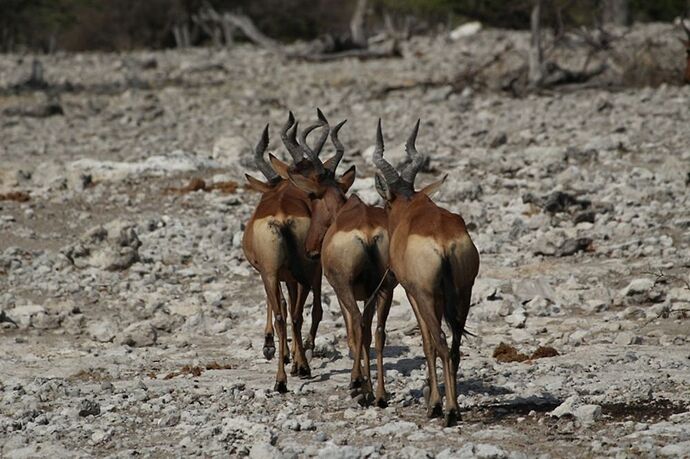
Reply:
x=410, y=172
x=324, y=135
x=289, y=138
x=389, y=173
x=332, y=163
x=308, y=152
x=261, y=162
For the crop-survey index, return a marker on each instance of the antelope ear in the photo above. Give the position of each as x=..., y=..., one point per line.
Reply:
x=347, y=179
x=328, y=164
x=309, y=186
x=279, y=166
x=432, y=188
x=257, y=185
x=382, y=187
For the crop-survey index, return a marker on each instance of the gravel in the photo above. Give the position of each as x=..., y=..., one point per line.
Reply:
x=131, y=324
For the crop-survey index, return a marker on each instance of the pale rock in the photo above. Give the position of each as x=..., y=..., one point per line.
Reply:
x=112, y=247
x=396, y=428
x=637, y=286
x=23, y=315
x=231, y=150
x=627, y=338
x=175, y=162
x=567, y=407
x=485, y=451
x=588, y=413
x=262, y=450
x=577, y=337
x=517, y=318
x=103, y=332
x=468, y=29
x=140, y=334
x=340, y=452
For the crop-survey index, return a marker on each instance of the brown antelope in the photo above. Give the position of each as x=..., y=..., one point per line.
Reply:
x=273, y=243
x=434, y=259
x=686, y=43
x=352, y=239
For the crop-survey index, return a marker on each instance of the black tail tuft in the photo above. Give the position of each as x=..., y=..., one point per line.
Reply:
x=296, y=268
x=450, y=298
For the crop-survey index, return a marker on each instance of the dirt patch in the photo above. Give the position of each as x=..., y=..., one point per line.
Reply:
x=652, y=410
x=507, y=353
x=544, y=352
x=18, y=196
x=199, y=184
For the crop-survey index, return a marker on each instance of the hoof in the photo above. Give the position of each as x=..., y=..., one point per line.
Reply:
x=269, y=352
x=356, y=383
x=280, y=387
x=304, y=371
x=381, y=402
x=364, y=399
x=435, y=412
x=452, y=418
x=308, y=343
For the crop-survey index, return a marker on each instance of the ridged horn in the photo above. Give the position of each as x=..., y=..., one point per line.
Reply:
x=332, y=164
x=324, y=135
x=307, y=151
x=387, y=170
x=259, y=159
x=418, y=159
x=288, y=136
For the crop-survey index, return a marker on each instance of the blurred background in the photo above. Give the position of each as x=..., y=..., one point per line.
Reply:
x=119, y=25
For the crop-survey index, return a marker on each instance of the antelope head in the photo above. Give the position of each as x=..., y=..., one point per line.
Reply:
x=327, y=192
x=397, y=189
x=686, y=43
x=276, y=173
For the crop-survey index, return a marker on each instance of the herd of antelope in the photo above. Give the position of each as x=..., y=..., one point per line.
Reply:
x=306, y=225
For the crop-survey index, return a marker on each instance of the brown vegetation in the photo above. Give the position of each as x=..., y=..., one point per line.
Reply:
x=199, y=184
x=507, y=353
x=18, y=196
x=196, y=370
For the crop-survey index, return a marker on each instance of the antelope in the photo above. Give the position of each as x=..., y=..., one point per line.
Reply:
x=434, y=259
x=351, y=238
x=273, y=243
x=686, y=43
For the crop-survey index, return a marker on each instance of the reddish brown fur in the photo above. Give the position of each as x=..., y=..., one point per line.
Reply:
x=281, y=206
x=434, y=259
x=354, y=259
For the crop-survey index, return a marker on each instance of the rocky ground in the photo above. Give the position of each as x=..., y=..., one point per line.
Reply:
x=132, y=325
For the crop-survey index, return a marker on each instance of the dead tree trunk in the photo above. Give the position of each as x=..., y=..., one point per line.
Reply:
x=536, y=53
x=245, y=24
x=181, y=34
x=228, y=31
x=615, y=12
x=357, y=25
x=542, y=73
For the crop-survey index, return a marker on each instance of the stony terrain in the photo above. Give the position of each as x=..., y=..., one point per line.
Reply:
x=132, y=325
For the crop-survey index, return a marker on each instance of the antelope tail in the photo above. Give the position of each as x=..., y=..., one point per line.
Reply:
x=451, y=300
x=293, y=254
